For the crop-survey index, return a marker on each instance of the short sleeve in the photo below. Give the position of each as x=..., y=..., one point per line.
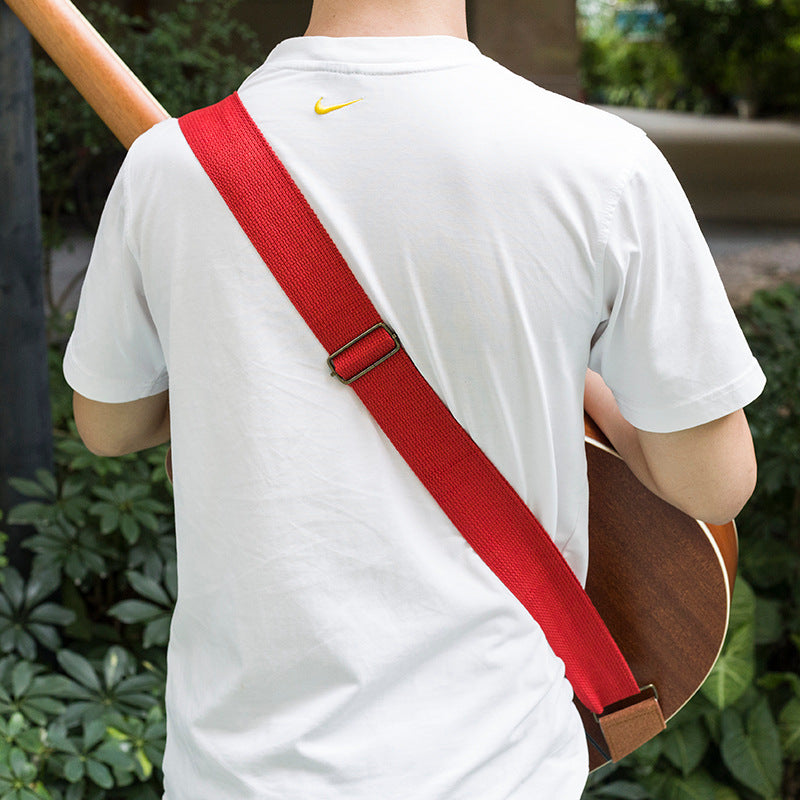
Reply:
x=668, y=345
x=114, y=354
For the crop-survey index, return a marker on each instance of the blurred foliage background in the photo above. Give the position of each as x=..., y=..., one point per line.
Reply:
x=709, y=56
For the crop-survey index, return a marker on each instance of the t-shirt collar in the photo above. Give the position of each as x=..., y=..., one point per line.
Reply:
x=373, y=53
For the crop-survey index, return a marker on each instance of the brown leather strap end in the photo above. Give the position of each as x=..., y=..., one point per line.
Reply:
x=629, y=727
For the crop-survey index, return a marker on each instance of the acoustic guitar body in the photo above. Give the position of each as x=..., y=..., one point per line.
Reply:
x=661, y=581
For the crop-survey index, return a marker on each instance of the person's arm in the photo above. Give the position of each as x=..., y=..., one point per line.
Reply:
x=708, y=471
x=114, y=429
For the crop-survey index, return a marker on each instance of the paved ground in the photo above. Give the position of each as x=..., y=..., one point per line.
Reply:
x=748, y=257
x=754, y=257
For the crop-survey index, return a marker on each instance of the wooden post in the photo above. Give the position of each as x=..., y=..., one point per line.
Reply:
x=25, y=422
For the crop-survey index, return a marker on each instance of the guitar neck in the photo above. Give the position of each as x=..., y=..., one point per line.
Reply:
x=97, y=72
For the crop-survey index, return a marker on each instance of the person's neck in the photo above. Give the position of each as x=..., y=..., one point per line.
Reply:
x=388, y=18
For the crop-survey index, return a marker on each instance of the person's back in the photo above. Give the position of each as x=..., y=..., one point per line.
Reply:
x=334, y=635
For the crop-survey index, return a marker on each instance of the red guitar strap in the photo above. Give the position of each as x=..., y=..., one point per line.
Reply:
x=365, y=353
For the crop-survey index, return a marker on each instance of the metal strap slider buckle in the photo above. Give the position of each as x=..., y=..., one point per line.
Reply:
x=373, y=364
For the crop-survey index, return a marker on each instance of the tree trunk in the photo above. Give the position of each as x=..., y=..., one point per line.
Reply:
x=25, y=423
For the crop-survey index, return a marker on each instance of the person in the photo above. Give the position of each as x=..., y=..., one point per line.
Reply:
x=334, y=636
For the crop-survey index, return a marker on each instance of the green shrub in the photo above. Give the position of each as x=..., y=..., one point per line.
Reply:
x=709, y=56
x=739, y=51
x=83, y=637
x=616, y=69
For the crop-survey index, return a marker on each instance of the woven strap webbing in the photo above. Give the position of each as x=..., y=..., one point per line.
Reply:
x=478, y=500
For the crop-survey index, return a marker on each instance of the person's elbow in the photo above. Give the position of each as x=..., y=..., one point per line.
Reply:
x=115, y=429
x=723, y=502
x=709, y=471
x=99, y=438
x=100, y=446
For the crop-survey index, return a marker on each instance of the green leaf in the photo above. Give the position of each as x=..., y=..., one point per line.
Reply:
x=112, y=754
x=109, y=519
x=72, y=486
x=54, y=685
x=58, y=739
x=734, y=670
x=45, y=634
x=25, y=645
x=106, y=493
x=129, y=528
x=115, y=665
x=148, y=588
x=789, y=728
x=686, y=745
x=768, y=621
x=16, y=724
x=8, y=639
x=93, y=732
x=157, y=631
x=146, y=518
x=171, y=578
x=19, y=764
x=622, y=790
x=143, y=682
x=74, y=511
x=774, y=679
x=697, y=786
x=21, y=678
x=80, y=669
x=48, y=481
x=49, y=705
x=41, y=585
x=74, y=792
x=145, y=765
x=74, y=769
x=743, y=605
x=100, y=773
x=135, y=611
x=53, y=614
x=37, y=792
x=753, y=755
x=5, y=607
x=73, y=600
x=29, y=514
x=137, y=491
x=13, y=587
x=29, y=488
x=117, y=734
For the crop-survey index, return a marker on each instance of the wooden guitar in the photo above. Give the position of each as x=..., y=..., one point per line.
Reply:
x=661, y=581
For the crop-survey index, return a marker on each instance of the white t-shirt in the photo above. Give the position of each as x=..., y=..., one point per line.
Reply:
x=334, y=637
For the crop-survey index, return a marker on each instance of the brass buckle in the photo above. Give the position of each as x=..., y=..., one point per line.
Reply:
x=348, y=381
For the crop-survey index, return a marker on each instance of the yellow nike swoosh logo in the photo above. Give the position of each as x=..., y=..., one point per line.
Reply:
x=321, y=110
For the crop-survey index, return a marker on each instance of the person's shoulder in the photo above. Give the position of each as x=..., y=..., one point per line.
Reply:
x=552, y=118
x=159, y=155
x=596, y=124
